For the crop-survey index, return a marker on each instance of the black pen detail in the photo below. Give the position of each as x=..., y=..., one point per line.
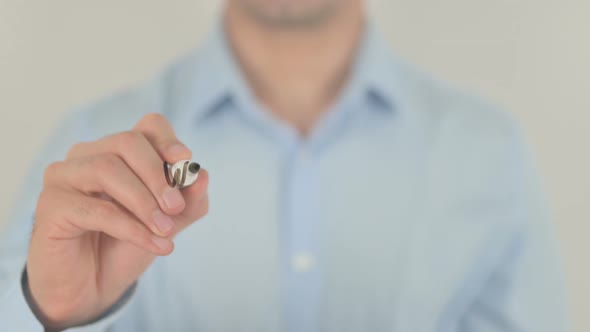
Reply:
x=180, y=177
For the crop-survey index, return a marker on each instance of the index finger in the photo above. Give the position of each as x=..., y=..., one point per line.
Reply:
x=160, y=133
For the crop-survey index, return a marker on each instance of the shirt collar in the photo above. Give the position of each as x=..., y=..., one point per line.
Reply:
x=375, y=74
x=209, y=78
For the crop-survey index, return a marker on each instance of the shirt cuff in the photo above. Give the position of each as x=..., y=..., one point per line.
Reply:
x=16, y=311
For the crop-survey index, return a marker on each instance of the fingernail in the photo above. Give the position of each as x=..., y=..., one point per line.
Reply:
x=173, y=198
x=162, y=243
x=178, y=149
x=163, y=222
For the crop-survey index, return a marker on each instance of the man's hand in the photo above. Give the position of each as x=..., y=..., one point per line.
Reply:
x=103, y=216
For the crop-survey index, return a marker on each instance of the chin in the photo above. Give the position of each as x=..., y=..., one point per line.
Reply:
x=289, y=12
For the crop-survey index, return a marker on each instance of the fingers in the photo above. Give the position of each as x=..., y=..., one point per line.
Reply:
x=141, y=157
x=120, y=164
x=159, y=132
x=197, y=202
x=108, y=174
x=75, y=214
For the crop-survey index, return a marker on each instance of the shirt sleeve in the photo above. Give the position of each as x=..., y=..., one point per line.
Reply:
x=15, y=313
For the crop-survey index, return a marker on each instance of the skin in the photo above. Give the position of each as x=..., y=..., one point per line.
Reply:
x=96, y=227
x=283, y=14
x=295, y=55
x=106, y=212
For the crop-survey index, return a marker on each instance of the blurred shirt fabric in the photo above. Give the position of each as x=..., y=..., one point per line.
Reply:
x=412, y=206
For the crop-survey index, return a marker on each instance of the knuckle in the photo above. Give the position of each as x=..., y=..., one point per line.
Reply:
x=151, y=120
x=76, y=149
x=51, y=171
x=106, y=164
x=48, y=211
x=44, y=202
x=104, y=210
x=129, y=139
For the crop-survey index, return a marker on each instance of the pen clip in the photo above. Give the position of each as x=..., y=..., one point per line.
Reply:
x=179, y=176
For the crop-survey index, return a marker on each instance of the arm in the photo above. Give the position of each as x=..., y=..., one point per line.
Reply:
x=525, y=292
x=15, y=232
x=17, y=312
x=106, y=201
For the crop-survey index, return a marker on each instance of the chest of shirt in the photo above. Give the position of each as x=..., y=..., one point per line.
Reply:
x=362, y=201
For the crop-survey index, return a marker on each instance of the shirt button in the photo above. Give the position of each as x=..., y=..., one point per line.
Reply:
x=303, y=262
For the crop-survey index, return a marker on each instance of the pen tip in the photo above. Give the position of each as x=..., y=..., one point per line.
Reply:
x=194, y=167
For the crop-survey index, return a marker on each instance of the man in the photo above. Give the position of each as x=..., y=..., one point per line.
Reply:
x=348, y=193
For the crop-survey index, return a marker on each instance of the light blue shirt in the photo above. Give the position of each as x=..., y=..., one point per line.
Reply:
x=412, y=206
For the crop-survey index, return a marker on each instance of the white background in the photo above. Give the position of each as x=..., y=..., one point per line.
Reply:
x=529, y=56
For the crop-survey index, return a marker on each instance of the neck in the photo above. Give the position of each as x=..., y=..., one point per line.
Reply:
x=296, y=72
